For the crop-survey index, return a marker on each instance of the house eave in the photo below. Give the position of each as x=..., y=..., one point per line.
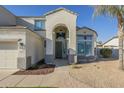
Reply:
x=59, y=9
x=19, y=27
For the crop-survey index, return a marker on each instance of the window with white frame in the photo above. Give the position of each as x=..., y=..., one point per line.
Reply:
x=39, y=25
x=84, y=44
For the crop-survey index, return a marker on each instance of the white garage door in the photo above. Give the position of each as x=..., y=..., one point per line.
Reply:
x=8, y=55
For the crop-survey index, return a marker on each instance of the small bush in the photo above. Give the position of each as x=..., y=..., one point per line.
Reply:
x=106, y=52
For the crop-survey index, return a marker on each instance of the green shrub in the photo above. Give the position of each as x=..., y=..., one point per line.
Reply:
x=106, y=52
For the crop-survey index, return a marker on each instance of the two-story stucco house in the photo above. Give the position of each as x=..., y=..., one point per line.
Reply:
x=25, y=40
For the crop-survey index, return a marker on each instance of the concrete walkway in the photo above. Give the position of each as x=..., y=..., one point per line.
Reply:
x=61, y=63
x=5, y=73
x=59, y=78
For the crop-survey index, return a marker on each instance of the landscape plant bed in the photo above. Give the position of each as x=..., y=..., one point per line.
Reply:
x=37, y=70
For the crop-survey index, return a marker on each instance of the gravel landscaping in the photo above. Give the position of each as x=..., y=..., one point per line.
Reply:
x=101, y=74
x=39, y=69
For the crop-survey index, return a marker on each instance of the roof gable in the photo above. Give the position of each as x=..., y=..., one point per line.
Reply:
x=6, y=17
x=59, y=9
x=6, y=10
x=80, y=28
x=110, y=39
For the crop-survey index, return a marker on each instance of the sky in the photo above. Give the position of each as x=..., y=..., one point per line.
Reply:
x=105, y=26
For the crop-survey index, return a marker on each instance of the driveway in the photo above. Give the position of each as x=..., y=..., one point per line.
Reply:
x=96, y=74
x=5, y=73
x=59, y=78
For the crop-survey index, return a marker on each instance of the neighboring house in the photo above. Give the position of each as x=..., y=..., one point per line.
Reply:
x=112, y=43
x=25, y=40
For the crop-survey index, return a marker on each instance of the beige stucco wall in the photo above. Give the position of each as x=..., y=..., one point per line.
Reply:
x=30, y=23
x=89, y=32
x=6, y=18
x=33, y=44
x=60, y=18
x=34, y=47
x=14, y=35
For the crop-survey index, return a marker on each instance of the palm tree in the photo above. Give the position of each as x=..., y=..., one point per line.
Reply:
x=116, y=11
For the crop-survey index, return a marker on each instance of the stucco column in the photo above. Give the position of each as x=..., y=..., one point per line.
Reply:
x=49, y=57
x=72, y=54
x=21, y=59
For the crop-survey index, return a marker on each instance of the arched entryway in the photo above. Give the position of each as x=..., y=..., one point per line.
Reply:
x=61, y=40
x=61, y=43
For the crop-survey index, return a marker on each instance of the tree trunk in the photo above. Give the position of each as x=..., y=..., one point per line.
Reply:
x=121, y=34
x=121, y=57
